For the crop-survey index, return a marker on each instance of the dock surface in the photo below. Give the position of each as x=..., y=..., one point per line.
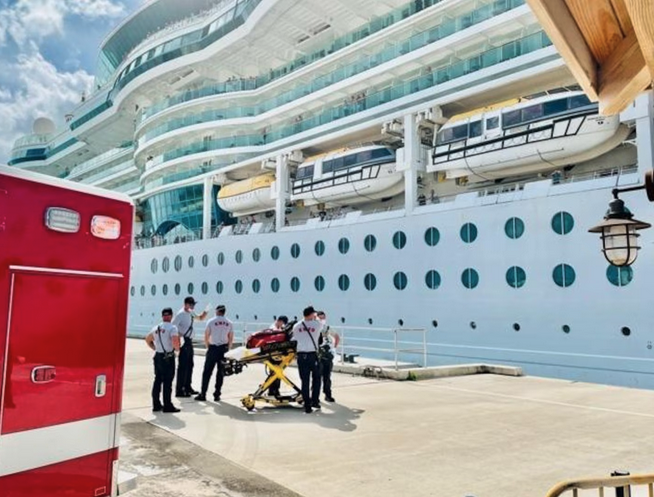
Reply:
x=482, y=436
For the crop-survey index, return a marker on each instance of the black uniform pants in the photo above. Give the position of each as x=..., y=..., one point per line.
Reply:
x=307, y=363
x=215, y=356
x=326, y=366
x=164, y=374
x=185, y=368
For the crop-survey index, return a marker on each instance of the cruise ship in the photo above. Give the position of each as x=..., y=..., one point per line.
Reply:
x=419, y=168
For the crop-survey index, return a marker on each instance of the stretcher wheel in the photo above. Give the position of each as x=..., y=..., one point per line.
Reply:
x=248, y=402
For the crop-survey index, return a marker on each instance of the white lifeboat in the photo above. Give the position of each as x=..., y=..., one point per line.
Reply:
x=249, y=196
x=552, y=131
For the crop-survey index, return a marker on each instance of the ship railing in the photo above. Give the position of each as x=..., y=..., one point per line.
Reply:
x=618, y=171
x=621, y=486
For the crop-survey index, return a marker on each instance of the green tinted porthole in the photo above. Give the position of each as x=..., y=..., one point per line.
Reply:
x=400, y=280
x=516, y=277
x=295, y=251
x=178, y=288
x=239, y=256
x=164, y=289
x=132, y=291
x=319, y=248
x=564, y=275
x=399, y=240
x=432, y=236
x=370, y=243
x=344, y=282
x=178, y=263
x=205, y=260
x=514, y=228
x=274, y=285
x=256, y=255
x=295, y=284
x=620, y=276
x=204, y=288
x=153, y=290
x=433, y=279
x=142, y=291
x=165, y=264
x=274, y=253
x=563, y=223
x=238, y=286
x=191, y=261
x=370, y=282
x=343, y=245
x=319, y=283
x=190, y=288
x=256, y=286
x=470, y=278
x=154, y=266
x=220, y=287
x=469, y=233
x=221, y=259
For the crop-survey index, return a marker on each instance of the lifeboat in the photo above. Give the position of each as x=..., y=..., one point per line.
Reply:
x=348, y=177
x=530, y=136
x=250, y=196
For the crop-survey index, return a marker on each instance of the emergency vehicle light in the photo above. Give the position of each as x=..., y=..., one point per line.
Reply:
x=105, y=227
x=62, y=220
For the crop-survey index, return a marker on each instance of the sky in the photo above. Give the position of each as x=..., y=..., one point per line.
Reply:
x=48, y=53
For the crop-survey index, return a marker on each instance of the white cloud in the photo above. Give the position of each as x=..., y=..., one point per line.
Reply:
x=42, y=91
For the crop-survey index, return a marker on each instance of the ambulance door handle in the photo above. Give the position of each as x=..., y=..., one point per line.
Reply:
x=101, y=386
x=43, y=374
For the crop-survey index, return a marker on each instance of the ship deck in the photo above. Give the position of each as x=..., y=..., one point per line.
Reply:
x=482, y=435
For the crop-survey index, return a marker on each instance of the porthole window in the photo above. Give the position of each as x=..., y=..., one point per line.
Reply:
x=434, y=323
x=153, y=290
x=344, y=282
x=400, y=280
x=221, y=259
x=205, y=260
x=469, y=233
x=274, y=285
x=344, y=245
x=400, y=322
x=566, y=329
x=516, y=326
x=220, y=287
x=399, y=240
x=516, y=277
x=432, y=236
x=370, y=321
x=564, y=275
x=164, y=289
x=178, y=263
x=514, y=228
x=470, y=278
x=142, y=291
x=178, y=288
x=370, y=282
x=626, y=331
x=256, y=286
x=295, y=284
x=433, y=279
x=256, y=255
x=154, y=266
x=274, y=253
x=563, y=223
x=319, y=283
x=319, y=248
x=238, y=286
x=191, y=262
x=132, y=291
x=239, y=256
x=620, y=276
x=190, y=288
x=165, y=264
x=473, y=325
x=370, y=243
x=205, y=288
x=295, y=251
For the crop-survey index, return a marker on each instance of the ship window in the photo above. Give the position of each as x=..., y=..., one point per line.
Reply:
x=165, y=264
x=190, y=288
x=256, y=255
x=370, y=282
x=320, y=248
x=164, y=289
x=400, y=280
x=344, y=282
x=295, y=284
x=626, y=331
x=343, y=245
x=304, y=172
x=399, y=240
x=475, y=129
x=178, y=288
x=433, y=279
x=274, y=253
x=142, y=291
x=191, y=261
x=205, y=288
x=221, y=259
x=153, y=290
x=566, y=328
x=579, y=101
x=338, y=163
x=319, y=283
x=453, y=134
x=470, y=278
x=132, y=291
x=295, y=251
x=238, y=286
x=178, y=263
x=350, y=160
x=511, y=118
x=563, y=223
x=532, y=113
x=620, y=276
x=492, y=123
x=205, y=260
x=239, y=256
x=380, y=153
x=370, y=243
x=564, y=275
x=469, y=233
x=366, y=155
x=516, y=277
x=555, y=107
x=327, y=166
x=256, y=286
x=514, y=228
x=432, y=236
x=220, y=287
x=154, y=266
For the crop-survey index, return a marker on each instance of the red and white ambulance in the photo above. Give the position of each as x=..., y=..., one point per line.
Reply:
x=64, y=275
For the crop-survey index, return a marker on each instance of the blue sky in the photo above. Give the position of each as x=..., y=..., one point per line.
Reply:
x=48, y=51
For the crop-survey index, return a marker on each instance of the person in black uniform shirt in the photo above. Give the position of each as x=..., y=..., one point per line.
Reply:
x=184, y=322
x=164, y=340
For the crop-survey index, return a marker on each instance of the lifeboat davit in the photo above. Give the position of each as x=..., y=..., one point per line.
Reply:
x=249, y=196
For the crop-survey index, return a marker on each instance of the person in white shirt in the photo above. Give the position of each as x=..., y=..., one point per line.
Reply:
x=164, y=340
x=184, y=322
x=306, y=334
x=328, y=344
x=218, y=337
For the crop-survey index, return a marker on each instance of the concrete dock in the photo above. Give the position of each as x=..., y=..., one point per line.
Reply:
x=483, y=435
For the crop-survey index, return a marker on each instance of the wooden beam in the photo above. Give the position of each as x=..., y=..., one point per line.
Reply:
x=622, y=14
x=623, y=77
x=642, y=17
x=560, y=26
x=598, y=24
